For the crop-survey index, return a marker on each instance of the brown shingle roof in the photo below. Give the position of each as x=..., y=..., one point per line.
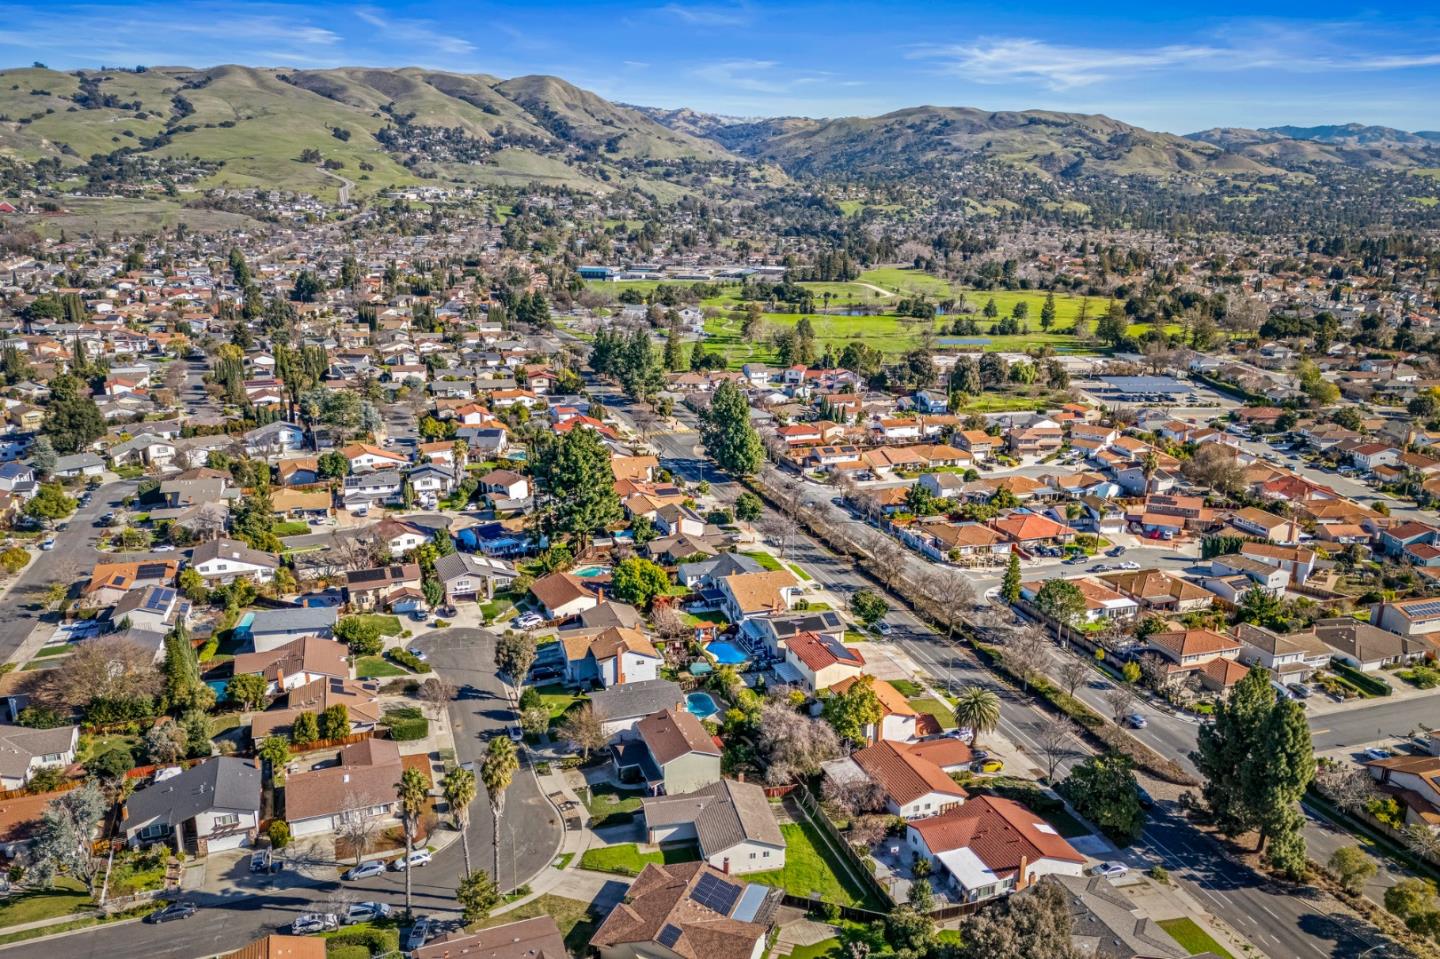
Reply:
x=660, y=900
x=1001, y=833
x=670, y=734
x=904, y=776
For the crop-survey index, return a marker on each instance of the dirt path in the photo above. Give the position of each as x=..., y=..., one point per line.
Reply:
x=871, y=286
x=345, y=185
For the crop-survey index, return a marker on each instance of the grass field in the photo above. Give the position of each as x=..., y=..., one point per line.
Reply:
x=764, y=559
x=68, y=896
x=377, y=667
x=1192, y=938
x=609, y=805
x=943, y=714
x=571, y=915
x=808, y=870
x=389, y=625
x=626, y=859
x=294, y=527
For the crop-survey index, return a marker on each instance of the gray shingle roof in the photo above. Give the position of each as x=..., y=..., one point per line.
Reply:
x=317, y=619
x=20, y=744
x=633, y=700
x=724, y=813
x=221, y=783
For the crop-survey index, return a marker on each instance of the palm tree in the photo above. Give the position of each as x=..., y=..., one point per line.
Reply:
x=459, y=788
x=978, y=708
x=1148, y=465
x=412, y=790
x=496, y=772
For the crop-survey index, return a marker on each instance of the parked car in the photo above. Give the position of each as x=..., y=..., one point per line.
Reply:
x=176, y=910
x=263, y=860
x=417, y=653
x=964, y=734
x=49, y=544
x=365, y=912
x=542, y=674
x=363, y=871
x=1299, y=689
x=417, y=859
x=527, y=621
x=1115, y=551
x=991, y=765
x=418, y=935
x=419, y=615
x=164, y=548
x=1110, y=870
x=309, y=923
x=1378, y=752
x=1129, y=564
x=516, y=735
x=1137, y=721
x=1077, y=559
x=882, y=627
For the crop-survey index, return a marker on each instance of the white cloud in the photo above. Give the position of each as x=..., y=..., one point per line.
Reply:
x=705, y=16
x=1058, y=67
x=415, y=32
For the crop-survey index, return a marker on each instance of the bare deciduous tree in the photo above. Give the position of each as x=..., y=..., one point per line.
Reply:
x=1028, y=654
x=101, y=669
x=1121, y=700
x=854, y=797
x=1056, y=742
x=667, y=622
x=358, y=828
x=793, y=745
x=1072, y=673
x=436, y=694
x=1348, y=787
x=953, y=596
x=582, y=729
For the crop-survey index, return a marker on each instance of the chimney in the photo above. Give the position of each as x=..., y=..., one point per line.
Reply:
x=1022, y=880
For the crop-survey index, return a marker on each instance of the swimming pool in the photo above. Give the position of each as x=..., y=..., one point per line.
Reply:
x=590, y=572
x=701, y=705
x=727, y=653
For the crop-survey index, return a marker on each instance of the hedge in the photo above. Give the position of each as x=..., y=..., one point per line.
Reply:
x=1369, y=684
x=407, y=659
x=407, y=723
x=377, y=941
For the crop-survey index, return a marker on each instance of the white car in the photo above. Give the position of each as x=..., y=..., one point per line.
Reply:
x=1110, y=870
x=527, y=621
x=1130, y=564
x=48, y=545
x=1378, y=752
x=308, y=923
x=165, y=548
x=416, y=860
x=882, y=627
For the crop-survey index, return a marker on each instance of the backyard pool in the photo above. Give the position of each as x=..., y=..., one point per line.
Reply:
x=726, y=653
x=701, y=705
x=590, y=572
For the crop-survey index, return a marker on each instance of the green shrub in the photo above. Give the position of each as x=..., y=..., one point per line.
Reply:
x=407, y=723
x=408, y=659
x=377, y=940
x=1366, y=683
x=279, y=833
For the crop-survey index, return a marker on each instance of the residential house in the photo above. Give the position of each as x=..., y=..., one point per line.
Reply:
x=620, y=708
x=383, y=587
x=274, y=439
x=209, y=807
x=380, y=488
x=109, y=582
x=220, y=561
x=1368, y=647
x=365, y=458
x=1291, y=657
x=1272, y=579
x=672, y=754
x=156, y=608
x=819, y=661
x=362, y=782
x=1211, y=656
x=470, y=576
x=1408, y=617
x=1298, y=561
x=688, y=911
x=25, y=751
x=280, y=946
x=1102, y=604
x=296, y=663
x=563, y=595
x=535, y=938
x=268, y=629
x=731, y=823
x=1159, y=592
x=978, y=443
x=1257, y=522
x=990, y=847
x=611, y=657
x=914, y=786
x=1031, y=530
x=361, y=699
x=1414, y=781
x=78, y=465
x=746, y=595
x=505, y=484
x=899, y=721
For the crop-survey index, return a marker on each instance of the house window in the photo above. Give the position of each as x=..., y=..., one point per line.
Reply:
x=227, y=820
x=752, y=855
x=154, y=831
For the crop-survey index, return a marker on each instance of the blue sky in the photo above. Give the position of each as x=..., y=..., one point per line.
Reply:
x=1155, y=64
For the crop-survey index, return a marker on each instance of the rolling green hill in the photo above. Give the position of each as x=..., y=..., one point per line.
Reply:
x=377, y=128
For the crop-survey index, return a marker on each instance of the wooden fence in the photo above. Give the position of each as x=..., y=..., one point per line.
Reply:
x=811, y=808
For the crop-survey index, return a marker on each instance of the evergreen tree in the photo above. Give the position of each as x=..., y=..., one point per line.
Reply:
x=574, y=471
x=1010, y=585
x=728, y=435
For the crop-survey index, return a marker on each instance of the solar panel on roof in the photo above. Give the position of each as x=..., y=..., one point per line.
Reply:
x=150, y=570
x=669, y=936
x=716, y=894
x=1423, y=609
x=159, y=599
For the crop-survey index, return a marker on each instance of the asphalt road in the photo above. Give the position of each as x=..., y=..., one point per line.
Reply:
x=73, y=556
x=1280, y=920
x=530, y=836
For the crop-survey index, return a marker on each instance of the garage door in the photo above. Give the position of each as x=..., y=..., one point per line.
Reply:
x=234, y=841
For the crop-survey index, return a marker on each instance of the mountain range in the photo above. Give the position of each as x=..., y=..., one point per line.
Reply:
x=309, y=130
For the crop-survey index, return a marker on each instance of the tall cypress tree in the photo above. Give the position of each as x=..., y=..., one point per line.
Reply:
x=728, y=434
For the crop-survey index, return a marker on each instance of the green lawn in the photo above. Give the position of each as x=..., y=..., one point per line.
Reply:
x=68, y=896
x=294, y=527
x=942, y=713
x=609, y=805
x=907, y=688
x=377, y=667
x=1192, y=938
x=626, y=859
x=571, y=915
x=389, y=625
x=558, y=700
x=800, y=572
x=808, y=869
x=764, y=559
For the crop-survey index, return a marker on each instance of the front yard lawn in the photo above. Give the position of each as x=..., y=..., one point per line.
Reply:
x=571, y=915
x=626, y=859
x=609, y=805
x=943, y=714
x=68, y=896
x=908, y=688
x=764, y=559
x=389, y=625
x=558, y=700
x=808, y=870
x=293, y=527
x=377, y=667
x=1192, y=938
